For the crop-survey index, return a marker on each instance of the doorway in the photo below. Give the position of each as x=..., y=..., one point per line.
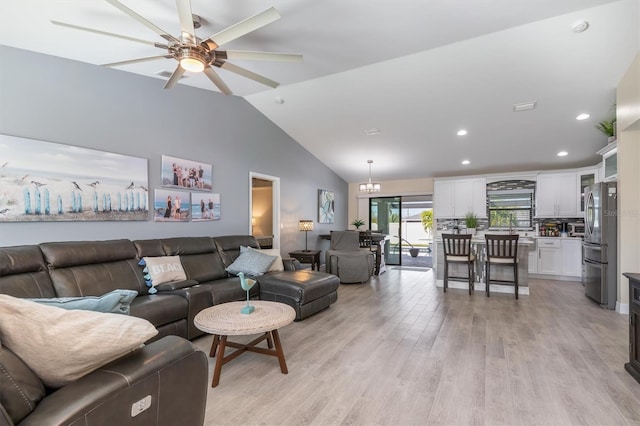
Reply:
x=264, y=209
x=408, y=221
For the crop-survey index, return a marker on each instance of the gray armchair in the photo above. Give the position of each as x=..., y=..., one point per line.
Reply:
x=347, y=260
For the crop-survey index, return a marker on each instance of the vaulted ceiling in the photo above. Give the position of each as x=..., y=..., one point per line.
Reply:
x=418, y=71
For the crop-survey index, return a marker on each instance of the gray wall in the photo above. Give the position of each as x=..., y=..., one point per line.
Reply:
x=58, y=100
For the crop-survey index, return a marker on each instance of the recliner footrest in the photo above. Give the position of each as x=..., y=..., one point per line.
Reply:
x=308, y=292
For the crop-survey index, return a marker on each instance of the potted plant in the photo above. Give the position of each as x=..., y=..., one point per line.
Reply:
x=471, y=222
x=358, y=223
x=608, y=127
x=412, y=251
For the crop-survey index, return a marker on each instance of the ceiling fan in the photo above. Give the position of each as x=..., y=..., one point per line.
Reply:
x=200, y=55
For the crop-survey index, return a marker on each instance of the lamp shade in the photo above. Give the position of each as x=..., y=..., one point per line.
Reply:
x=306, y=225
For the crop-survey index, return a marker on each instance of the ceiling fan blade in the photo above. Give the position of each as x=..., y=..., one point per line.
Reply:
x=249, y=74
x=165, y=35
x=243, y=27
x=186, y=20
x=215, y=78
x=124, y=37
x=263, y=56
x=175, y=77
x=135, y=61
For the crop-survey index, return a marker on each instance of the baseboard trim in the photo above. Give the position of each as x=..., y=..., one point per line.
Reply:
x=495, y=288
x=622, y=308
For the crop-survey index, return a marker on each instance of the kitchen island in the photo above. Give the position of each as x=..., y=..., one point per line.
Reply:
x=497, y=272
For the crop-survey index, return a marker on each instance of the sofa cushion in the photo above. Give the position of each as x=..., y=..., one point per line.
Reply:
x=229, y=290
x=199, y=255
x=251, y=262
x=229, y=246
x=115, y=302
x=160, y=309
x=92, y=268
x=23, y=272
x=65, y=345
x=21, y=389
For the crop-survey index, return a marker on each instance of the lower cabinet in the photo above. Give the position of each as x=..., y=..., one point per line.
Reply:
x=572, y=258
x=549, y=257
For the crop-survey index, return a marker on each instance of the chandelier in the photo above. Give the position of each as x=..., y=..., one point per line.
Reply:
x=369, y=186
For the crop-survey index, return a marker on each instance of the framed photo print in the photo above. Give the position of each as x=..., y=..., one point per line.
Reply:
x=171, y=206
x=205, y=206
x=325, y=206
x=186, y=174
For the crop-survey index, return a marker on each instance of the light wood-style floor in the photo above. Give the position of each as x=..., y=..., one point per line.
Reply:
x=397, y=351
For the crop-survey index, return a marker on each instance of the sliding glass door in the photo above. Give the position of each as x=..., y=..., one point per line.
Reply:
x=384, y=216
x=408, y=223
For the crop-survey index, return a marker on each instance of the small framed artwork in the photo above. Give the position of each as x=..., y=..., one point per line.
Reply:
x=205, y=206
x=325, y=206
x=186, y=174
x=171, y=206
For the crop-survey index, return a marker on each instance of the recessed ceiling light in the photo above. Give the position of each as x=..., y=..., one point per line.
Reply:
x=526, y=106
x=562, y=154
x=580, y=26
x=373, y=131
x=465, y=162
x=462, y=132
x=583, y=116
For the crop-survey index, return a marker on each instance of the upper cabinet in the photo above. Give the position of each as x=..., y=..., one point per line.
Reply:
x=585, y=178
x=609, y=162
x=454, y=198
x=555, y=195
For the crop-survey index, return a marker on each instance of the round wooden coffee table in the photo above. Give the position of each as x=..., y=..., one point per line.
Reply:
x=226, y=320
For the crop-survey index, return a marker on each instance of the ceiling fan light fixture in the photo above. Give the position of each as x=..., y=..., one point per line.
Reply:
x=192, y=59
x=192, y=64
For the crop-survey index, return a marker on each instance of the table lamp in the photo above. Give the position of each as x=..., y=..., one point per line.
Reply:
x=306, y=226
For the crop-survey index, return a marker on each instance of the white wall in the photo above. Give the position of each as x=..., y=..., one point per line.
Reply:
x=628, y=118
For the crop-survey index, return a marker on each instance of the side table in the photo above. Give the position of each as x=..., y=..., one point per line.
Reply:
x=310, y=256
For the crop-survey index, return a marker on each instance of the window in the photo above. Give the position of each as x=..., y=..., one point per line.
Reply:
x=510, y=208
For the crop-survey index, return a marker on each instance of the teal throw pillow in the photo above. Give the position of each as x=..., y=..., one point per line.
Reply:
x=115, y=302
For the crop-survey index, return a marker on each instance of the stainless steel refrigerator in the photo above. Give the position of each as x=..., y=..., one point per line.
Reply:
x=599, y=249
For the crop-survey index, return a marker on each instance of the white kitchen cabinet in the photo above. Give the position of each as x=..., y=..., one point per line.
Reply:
x=584, y=178
x=549, y=256
x=443, y=202
x=572, y=257
x=455, y=198
x=555, y=195
x=533, y=260
x=609, y=162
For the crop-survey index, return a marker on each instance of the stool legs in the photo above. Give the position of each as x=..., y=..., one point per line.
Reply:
x=446, y=275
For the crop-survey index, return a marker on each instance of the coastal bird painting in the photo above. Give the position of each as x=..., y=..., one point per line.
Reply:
x=76, y=186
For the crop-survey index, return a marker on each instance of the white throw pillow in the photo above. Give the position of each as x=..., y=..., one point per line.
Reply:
x=164, y=269
x=277, y=264
x=60, y=345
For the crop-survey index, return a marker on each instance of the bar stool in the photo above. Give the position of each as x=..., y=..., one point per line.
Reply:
x=502, y=250
x=457, y=249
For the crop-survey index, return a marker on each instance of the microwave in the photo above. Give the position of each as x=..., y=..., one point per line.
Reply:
x=576, y=229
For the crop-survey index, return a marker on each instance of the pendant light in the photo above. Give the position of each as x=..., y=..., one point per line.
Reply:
x=369, y=186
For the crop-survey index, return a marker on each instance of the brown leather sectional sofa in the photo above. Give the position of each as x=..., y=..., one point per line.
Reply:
x=93, y=268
